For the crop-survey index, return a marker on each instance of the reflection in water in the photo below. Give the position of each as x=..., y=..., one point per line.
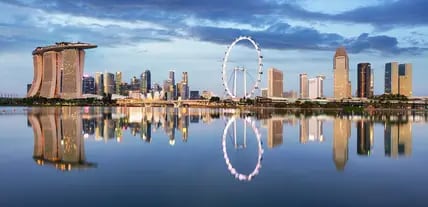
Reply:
x=311, y=129
x=365, y=137
x=59, y=132
x=341, y=134
x=233, y=134
x=58, y=138
x=398, y=139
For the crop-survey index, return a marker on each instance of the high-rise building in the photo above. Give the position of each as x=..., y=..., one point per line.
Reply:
x=391, y=78
x=274, y=136
x=365, y=80
x=146, y=82
x=88, y=86
x=405, y=74
x=99, y=83
x=315, y=86
x=304, y=88
x=398, y=79
x=58, y=70
x=341, y=134
x=109, y=83
x=342, y=85
x=264, y=92
x=135, y=84
x=172, y=87
x=275, y=83
x=118, y=84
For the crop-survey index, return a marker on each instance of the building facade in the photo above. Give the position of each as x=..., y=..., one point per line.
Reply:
x=88, y=86
x=315, y=87
x=365, y=83
x=58, y=70
x=275, y=83
x=118, y=83
x=146, y=82
x=304, y=88
x=341, y=85
x=99, y=83
x=109, y=83
x=398, y=79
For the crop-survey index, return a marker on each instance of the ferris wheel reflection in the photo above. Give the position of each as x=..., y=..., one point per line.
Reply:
x=228, y=132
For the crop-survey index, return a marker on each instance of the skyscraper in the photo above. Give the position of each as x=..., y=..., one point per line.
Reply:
x=315, y=86
x=58, y=70
x=88, y=86
x=405, y=79
x=109, y=83
x=173, y=87
x=118, y=81
x=391, y=78
x=275, y=83
x=398, y=79
x=342, y=85
x=304, y=88
x=99, y=83
x=365, y=80
x=146, y=82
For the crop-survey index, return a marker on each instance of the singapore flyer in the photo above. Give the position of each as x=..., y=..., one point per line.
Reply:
x=251, y=77
x=232, y=170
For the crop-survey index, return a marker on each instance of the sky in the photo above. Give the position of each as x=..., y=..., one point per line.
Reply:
x=295, y=36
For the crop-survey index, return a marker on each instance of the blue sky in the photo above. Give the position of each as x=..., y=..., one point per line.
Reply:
x=192, y=35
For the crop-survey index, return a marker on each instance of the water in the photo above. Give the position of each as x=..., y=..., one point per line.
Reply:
x=209, y=157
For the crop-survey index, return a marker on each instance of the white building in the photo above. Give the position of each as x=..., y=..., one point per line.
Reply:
x=316, y=86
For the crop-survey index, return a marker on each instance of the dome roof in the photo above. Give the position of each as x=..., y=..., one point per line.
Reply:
x=341, y=51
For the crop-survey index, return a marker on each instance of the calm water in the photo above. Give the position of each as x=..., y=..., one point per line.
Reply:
x=201, y=157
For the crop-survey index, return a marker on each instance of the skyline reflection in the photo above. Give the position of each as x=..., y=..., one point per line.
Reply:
x=60, y=133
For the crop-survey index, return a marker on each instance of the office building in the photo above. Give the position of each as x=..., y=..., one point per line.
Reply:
x=341, y=84
x=364, y=80
x=109, y=83
x=398, y=79
x=58, y=70
x=88, y=86
x=405, y=75
x=146, y=82
x=118, y=84
x=391, y=78
x=304, y=88
x=275, y=83
x=194, y=95
x=99, y=83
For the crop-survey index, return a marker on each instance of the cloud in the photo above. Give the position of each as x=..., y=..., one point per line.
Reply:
x=390, y=13
x=111, y=23
x=286, y=37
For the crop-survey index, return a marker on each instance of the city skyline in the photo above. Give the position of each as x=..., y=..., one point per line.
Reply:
x=192, y=37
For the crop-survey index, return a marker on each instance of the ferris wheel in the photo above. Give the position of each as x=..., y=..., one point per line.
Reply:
x=231, y=74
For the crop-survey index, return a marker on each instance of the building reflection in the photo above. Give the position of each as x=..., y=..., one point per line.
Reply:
x=398, y=139
x=365, y=137
x=58, y=138
x=341, y=134
x=311, y=130
x=275, y=136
